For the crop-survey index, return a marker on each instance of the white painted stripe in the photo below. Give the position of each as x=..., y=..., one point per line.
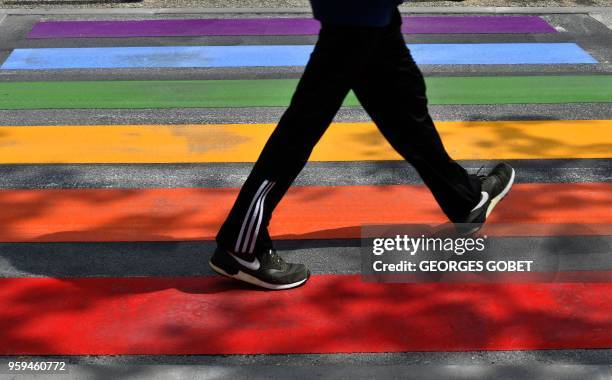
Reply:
x=252, y=220
x=246, y=217
x=261, y=212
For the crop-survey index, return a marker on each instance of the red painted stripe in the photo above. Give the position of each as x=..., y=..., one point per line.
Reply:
x=306, y=212
x=335, y=313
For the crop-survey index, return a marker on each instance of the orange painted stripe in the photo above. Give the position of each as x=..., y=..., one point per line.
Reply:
x=465, y=140
x=305, y=213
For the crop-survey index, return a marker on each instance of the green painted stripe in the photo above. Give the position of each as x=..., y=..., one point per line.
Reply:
x=277, y=92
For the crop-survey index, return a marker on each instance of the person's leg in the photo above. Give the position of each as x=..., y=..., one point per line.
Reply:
x=393, y=93
x=319, y=94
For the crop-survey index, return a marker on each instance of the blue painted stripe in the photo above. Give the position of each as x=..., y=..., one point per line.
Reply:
x=282, y=55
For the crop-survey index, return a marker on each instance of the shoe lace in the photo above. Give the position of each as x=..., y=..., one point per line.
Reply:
x=274, y=257
x=481, y=176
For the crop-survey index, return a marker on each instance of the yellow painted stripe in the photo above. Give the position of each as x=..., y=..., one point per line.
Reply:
x=342, y=142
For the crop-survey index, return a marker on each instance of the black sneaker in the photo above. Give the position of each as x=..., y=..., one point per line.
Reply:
x=495, y=186
x=265, y=269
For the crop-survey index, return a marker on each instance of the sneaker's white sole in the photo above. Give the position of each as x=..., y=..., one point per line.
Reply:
x=245, y=277
x=501, y=195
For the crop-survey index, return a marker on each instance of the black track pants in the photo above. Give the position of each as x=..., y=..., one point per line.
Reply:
x=376, y=64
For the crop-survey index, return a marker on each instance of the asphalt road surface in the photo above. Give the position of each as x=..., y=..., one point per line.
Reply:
x=117, y=166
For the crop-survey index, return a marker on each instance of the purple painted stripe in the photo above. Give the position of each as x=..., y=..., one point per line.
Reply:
x=279, y=26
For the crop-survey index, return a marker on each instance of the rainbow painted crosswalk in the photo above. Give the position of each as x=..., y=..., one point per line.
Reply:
x=121, y=140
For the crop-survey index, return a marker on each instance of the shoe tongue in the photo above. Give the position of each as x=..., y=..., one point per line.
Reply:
x=272, y=258
x=266, y=255
x=492, y=183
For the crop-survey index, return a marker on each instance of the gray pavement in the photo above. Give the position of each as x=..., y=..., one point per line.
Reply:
x=233, y=175
x=503, y=112
x=307, y=367
x=604, y=17
x=337, y=256
x=271, y=4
